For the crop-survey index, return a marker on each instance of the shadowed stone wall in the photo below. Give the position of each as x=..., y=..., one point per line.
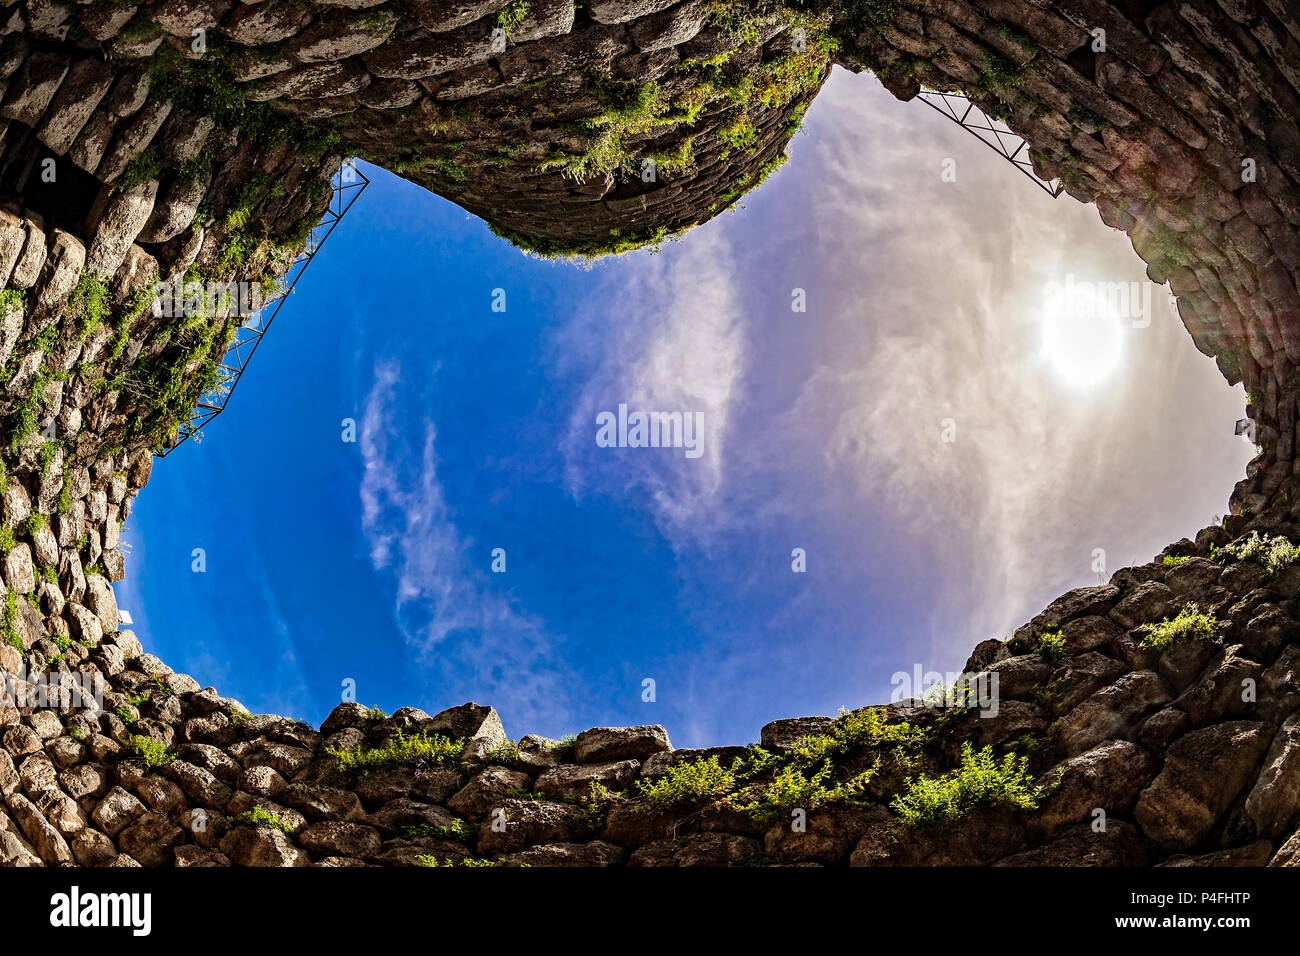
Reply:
x=194, y=140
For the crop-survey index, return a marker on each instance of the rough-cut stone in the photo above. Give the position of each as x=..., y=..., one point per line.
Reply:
x=608, y=744
x=1118, y=845
x=336, y=838
x=151, y=839
x=1107, y=778
x=595, y=853
x=1149, y=603
x=1254, y=854
x=783, y=734
x=479, y=726
x=116, y=811
x=523, y=823
x=574, y=782
x=48, y=843
x=124, y=216
x=1273, y=804
x=982, y=837
x=487, y=789
x=1113, y=711
x=622, y=11
x=700, y=849
x=261, y=846
x=1203, y=773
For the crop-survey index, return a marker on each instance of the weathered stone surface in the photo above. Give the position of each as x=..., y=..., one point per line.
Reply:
x=1255, y=854
x=528, y=823
x=336, y=838
x=400, y=815
x=608, y=744
x=622, y=11
x=487, y=789
x=983, y=837
x=435, y=785
x=1221, y=692
x=699, y=849
x=261, y=846
x=1288, y=853
x=1273, y=804
x=829, y=838
x=595, y=853
x=1118, y=845
x=44, y=838
x=1081, y=602
x=537, y=754
x=31, y=90
x=1149, y=603
x=86, y=84
x=1203, y=773
x=317, y=802
x=124, y=216
x=190, y=855
x=783, y=734
x=19, y=572
x=575, y=782
x=151, y=839
x=1107, y=778
x=479, y=726
x=116, y=811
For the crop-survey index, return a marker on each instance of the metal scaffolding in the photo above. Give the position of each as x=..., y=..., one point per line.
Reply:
x=348, y=184
x=993, y=133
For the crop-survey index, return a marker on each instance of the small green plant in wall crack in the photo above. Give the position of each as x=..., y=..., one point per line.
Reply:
x=980, y=780
x=1190, y=623
x=512, y=17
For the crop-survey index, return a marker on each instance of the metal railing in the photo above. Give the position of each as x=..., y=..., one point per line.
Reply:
x=993, y=133
x=348, y=184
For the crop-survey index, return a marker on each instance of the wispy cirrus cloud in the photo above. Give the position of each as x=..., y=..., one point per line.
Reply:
x=670, y=337
x=471, y=639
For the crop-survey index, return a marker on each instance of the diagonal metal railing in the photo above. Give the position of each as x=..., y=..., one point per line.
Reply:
x=347, y=185
x=992, y=132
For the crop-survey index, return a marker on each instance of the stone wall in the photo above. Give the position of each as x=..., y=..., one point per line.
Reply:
x=195, y=140
x=1190, y=754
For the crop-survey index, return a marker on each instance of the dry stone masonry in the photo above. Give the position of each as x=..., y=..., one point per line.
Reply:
x=192, y=142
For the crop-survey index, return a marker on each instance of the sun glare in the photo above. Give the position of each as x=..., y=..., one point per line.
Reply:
x=1082, y=336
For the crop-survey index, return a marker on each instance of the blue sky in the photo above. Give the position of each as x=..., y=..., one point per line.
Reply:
x=328, y=560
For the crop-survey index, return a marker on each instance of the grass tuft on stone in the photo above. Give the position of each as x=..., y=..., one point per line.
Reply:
x=688, y=784
x=1191, y=622
x=1274, y=553
x=980, y=780
x=402, y=751
x=259, y=816
x=153, y=753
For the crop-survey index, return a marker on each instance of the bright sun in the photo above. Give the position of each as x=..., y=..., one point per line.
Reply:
x=1082, y=336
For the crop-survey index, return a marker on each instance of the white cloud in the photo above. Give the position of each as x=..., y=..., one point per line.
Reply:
x=469, y=638
x=924, y=305
x=937, y=290
x=672, y=341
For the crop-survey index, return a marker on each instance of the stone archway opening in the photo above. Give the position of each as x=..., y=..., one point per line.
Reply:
x=1178, y=120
